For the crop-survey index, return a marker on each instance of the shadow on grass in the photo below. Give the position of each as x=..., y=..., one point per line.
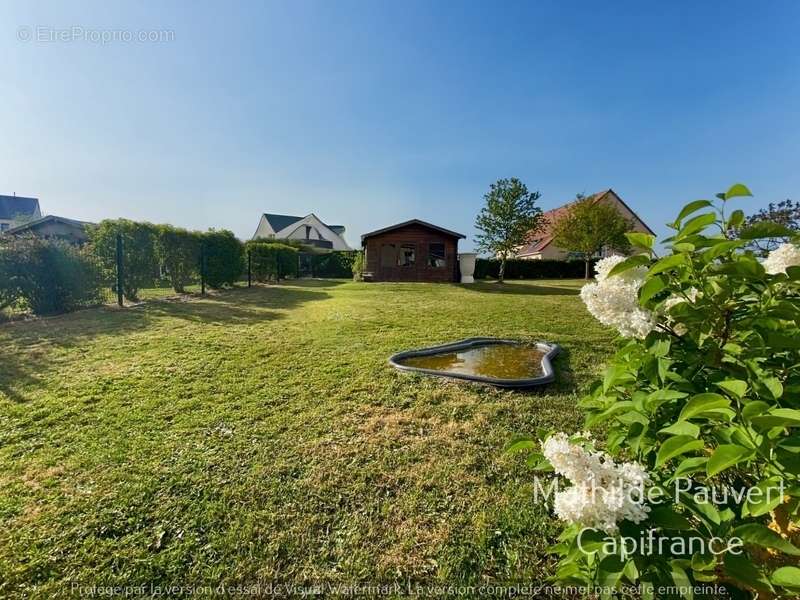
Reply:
x=28, y=348
x=520, y=289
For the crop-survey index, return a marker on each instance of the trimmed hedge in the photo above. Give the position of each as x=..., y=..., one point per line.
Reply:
x=140, y=265
x=48, y=276
x=271, y=261
x=178, y=251
x=486, y=268
x=224, y=255
x=333, y=265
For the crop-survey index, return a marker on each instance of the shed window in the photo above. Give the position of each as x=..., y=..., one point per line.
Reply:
x=436, y=256
x=388, y=255
x=406, y=256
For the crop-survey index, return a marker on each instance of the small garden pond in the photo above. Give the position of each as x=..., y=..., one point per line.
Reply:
x=504, y=363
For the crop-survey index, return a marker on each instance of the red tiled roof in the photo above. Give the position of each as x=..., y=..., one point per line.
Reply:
x=544, y=237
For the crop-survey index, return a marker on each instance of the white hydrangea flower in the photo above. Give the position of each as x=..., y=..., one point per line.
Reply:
x=614, y=300
x=603, y=493
x=785, y=255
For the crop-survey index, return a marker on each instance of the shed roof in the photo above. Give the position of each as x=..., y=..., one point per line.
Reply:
x=413, y=222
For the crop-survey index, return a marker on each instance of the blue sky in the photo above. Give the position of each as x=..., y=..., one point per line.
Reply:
x=369, y=113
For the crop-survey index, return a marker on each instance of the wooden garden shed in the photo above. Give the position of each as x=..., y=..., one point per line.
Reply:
x=411, y=251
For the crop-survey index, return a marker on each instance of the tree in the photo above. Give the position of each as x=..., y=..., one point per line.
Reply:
x=785, y=214
x=588, y=227
x=509, y=219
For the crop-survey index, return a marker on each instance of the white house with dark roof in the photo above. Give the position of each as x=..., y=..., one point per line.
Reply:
x=309, y=230
x=16, y=210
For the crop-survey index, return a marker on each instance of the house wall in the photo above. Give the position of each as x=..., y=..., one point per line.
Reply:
x=420, y=237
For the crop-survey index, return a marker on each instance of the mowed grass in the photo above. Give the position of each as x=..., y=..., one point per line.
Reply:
x=259, y=435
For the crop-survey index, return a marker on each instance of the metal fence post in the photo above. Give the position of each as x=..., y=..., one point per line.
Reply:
x=119, y=269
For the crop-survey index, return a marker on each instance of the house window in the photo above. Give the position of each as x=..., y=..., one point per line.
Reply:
x=436, y=256
x=406, y=256
x=388, y=255
x=308, y=231
x=3, y=226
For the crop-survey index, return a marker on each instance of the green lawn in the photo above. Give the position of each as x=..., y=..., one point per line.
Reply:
x=259, y=435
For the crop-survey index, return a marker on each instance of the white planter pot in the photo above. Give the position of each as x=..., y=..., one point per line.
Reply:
x=466, y=263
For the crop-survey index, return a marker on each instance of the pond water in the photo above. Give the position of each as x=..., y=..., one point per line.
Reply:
x=499, y=361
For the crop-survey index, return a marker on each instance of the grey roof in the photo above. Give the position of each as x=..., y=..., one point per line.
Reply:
x=47, y=219
x=278, y=222
x=414, y=222
x=11, y=206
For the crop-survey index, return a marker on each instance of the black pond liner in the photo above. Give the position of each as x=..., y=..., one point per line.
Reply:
x=548, y=374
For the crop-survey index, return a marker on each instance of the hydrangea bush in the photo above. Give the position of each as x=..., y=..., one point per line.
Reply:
x=702, y=394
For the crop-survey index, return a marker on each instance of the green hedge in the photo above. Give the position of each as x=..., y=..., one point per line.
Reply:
x=333, y=265
x=140, y=265
x=531, y=269
x=224, y=257
x=271, y=261
x=47, y=276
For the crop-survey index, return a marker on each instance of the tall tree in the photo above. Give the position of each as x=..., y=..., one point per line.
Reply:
x=509, y=219
x=588, y=227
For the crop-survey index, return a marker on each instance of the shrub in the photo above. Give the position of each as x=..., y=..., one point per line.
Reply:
x=271, y=261
x=178, y=251
x=47, y=276
x=140, y=265
x=334, y=265
x=530, y=269
x=358, y=266
x=223, y=257
x=703, y=391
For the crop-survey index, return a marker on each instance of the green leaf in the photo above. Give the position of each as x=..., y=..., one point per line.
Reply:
x=703, y=403
x=690, y=208
x=742, y=569
x=675, y=446
x=774, y=386
x=722, y=248
x=768, y=496
x=641, y=240
x=681, y=580
x=521, y=444
x=736, y=387
x=666, y=517
x=753, y=409
x=761, y=535
x=659, y=397
x=667, y=263
x=736, y=219
x=696, y=224
x=651, y=287
x=682, y=428
x=786, y=577
x=725, y=456
x=778, y=417
x=690, y=465
x=637, y=260
x=737, y=190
